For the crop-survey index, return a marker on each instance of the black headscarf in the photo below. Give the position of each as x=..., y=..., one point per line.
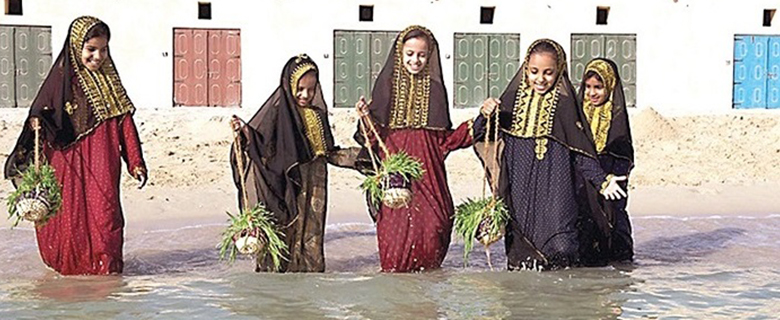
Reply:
x=560, y=117
x=275, y=142
x=73, y=100
x=612, y=137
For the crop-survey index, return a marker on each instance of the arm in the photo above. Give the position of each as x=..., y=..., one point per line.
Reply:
x=131, y=150
x=607, y=184
x=458, y=138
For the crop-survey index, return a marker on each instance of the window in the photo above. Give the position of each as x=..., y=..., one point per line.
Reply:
x=13, y=7
x=366, y=13
x=602, y=13
x=486, y=15
x=204, y=10
x=769, y=14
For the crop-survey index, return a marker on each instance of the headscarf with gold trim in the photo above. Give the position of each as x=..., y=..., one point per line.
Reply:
x=283, y=136
x=609, y=121
x=73, y=100
x=402, y=100
x=553, y=115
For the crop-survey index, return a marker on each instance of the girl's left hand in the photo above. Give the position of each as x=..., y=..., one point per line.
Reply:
x=140, y=175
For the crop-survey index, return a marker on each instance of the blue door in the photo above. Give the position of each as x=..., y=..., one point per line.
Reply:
x=773, y=74
x=750, y=75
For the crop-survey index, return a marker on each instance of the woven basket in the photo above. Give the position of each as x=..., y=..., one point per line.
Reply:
x=398, y=193
x=483, y=233
x=33, y=207
x=248, y=242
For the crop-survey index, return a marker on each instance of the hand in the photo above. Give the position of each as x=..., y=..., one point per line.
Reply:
x=361, y=107
x=35, y=123
x=140, y=175
x=613, y=191
x=489, y=106
x=235, y=123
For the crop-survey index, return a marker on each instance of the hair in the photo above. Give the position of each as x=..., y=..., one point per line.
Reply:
x=417, y=33
x=544, y=47
x=591, y=74
x=99, y=30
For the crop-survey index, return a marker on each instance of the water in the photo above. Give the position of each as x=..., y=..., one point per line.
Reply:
x=687, y=268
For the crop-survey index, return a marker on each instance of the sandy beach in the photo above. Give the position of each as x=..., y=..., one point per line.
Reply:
x=724, y=164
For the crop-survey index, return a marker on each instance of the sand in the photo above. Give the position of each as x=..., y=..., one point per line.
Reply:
x=724, y=164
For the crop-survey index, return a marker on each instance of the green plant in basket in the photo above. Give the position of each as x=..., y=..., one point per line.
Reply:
x=391, y=183
x=483, y=220
x=253, y=232
x=38, y=196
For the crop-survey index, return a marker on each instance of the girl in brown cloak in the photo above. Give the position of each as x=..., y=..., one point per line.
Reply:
x=288, y=144
x=606, y=232
x=545, y=141
x=410, y=107
x=87, y=125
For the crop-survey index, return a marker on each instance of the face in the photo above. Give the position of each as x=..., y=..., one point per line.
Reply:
x=94, y=53
x=415, y=55
x=307, y=86
x=542, y=71
x=595, y=91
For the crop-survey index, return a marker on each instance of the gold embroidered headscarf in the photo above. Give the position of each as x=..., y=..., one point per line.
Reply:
x=103, y=89
x=600, y=116
x=403, y=100
x=528, y=114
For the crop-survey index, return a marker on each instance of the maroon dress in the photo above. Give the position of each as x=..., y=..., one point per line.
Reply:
x=418, y=237
x=86, y=235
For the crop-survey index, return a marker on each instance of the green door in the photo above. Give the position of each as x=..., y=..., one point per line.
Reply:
x=25, y=60
x=620, y=48
x=33, y=60
x=484, y=64
x=7, y=68
x=357, y=60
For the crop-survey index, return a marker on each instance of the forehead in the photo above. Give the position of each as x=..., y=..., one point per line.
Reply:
x=417, y=44
x=100, y=41
x=542, y=60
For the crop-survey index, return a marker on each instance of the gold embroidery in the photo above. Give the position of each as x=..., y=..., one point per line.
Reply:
x=103, y=88
x=70, y=107
x=411, y=93
x=299, y=71
x=315, y=132
x=533, y=113
x=600, y=117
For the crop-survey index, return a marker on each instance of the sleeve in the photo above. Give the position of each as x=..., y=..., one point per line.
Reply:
x=131, y=146
x=459, y=138
x=591, y=171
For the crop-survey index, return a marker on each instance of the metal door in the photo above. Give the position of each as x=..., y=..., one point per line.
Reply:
x=33, y=61
x=750, y=74
x=773, y=75
x=190, y=69
x=224, y=68
x=471, y=70
x=484, y=64
x=7, y=68
x=620, y=48
x=358, y=58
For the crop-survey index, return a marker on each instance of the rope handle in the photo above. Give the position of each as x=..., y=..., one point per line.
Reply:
x=35, y=123
x=239, y=153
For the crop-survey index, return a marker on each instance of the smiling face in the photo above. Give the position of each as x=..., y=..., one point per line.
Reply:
x=595, y=91
x=415, y=54
x=307, y=87
x=94, y=53
x=542, y=71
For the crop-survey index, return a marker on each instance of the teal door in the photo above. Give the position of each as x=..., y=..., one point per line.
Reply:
x=483, y=64
x=620, y=48
x=25, y=60
x=756, y=72
x=358, y=57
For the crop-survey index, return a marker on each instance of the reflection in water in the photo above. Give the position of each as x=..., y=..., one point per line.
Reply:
x=729, y=270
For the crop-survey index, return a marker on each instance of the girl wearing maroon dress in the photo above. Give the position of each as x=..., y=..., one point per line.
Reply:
x=87, y=125
x=409, y=106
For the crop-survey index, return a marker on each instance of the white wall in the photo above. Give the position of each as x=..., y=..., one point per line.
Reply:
x=684, y=48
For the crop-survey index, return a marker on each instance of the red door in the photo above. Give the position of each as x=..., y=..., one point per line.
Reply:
x=207, y=67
